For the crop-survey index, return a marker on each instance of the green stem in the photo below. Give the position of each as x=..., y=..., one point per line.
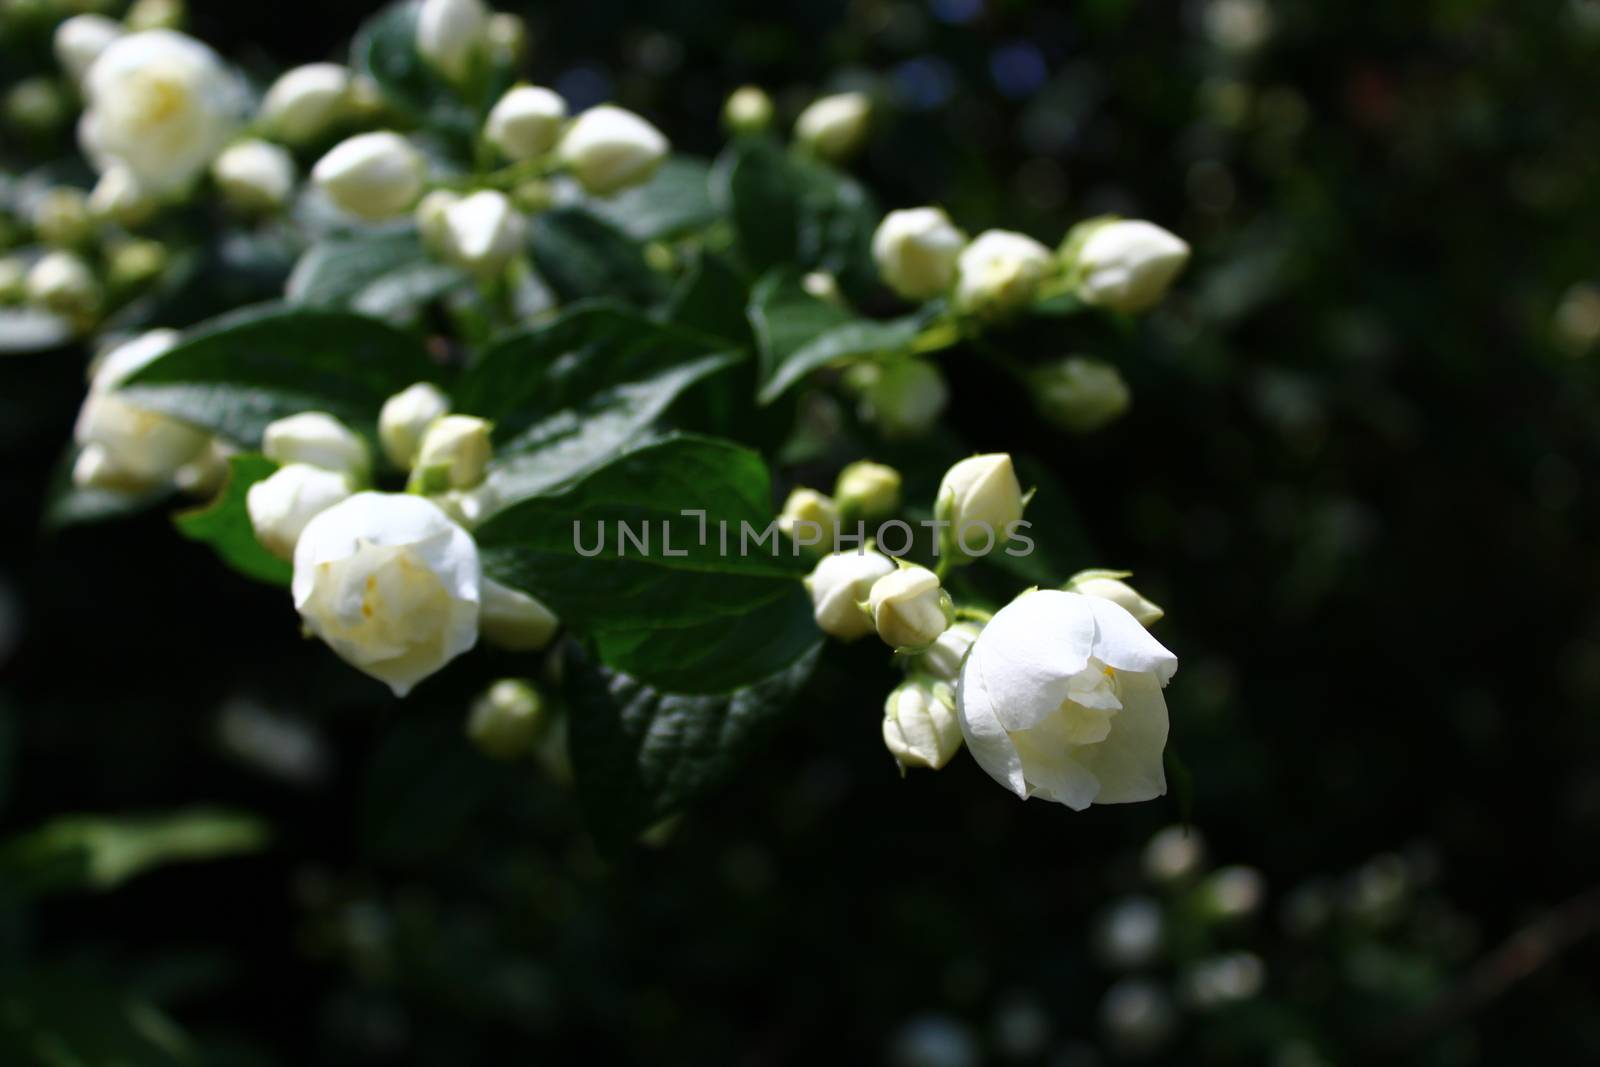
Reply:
x=974, y=614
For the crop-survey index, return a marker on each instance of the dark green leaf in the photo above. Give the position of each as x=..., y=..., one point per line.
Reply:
x=711, y=299
x=643, y=754
x=238, y=373
x=580, y=256
x=100, y=852
x=796, y=333
x=224, y=524
x=27, y=330
x=678, y=613
x=674, y=202
x=385, y=49
x=54, y=1017
x=386, y=274
x=569, y=394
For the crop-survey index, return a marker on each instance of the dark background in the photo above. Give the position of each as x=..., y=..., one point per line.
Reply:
x=1355, y=474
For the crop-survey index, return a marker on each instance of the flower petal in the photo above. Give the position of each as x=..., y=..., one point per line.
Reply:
x=986, y=738
x=1128, y=762
x=1120, y=641
x=1030, y=652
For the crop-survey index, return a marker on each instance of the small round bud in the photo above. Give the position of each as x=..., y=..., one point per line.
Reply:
x=118, y=197
x=609, y=149
x=909, y=609
x=747, y=111
x=903, y=398
x=1080, y=395
x=823, y=286
x=282, y=504
x=867, y=490
x=306, y=102
x=454, y=454
x=61, y=217
x=810, y=519
x=526, y=123
x=482, y=232
x=1108, y=585
x=942, y=660
x=839, y=585
x=62, y=282
x=404, y=419
x=507, y=38
x=981, y=499
x=134, y=264
x=156, y=15
x=373, y=176
x=834, y=127
x=319, y=439
x=1000, y=273
x=452, y=35
x=916, y=251
x=79, y=41
x=511, y=619
x=255, y=177
x=507, y=719
x=920, y=728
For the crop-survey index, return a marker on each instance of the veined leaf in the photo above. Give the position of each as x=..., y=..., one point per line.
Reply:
x=224, y=524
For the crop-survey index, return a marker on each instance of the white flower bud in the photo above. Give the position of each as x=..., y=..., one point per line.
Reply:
x=161, y=104
x=452, y=34
x=1060, y=699
x=506, y=37
x=834, y=127
x=404, y=419
x=61, y=282
x=919, y=724
x=916, y=251
x=430, y=217
x=483, y=231
x=527, y=122
x=810, y=519
x=823, y=286
x=1080, y=395
x=1126, y=265
x=372, y=175
x=124, y=447
x=748, y=110
x=454, y=454
x=1000, y=273
x=909, y=609
x=981, y=498
x=610, y=149
x=254, y=176
x=1108, y=585
x=507, y=719
x=80, y=40
x=319, y=439
x=513, y=620
x=282, y=504
x=839, y=585
x=867, y=490
x=306, y=102
x=390, y=584
x=943, y=659
x=118, y=197
x=904, y=398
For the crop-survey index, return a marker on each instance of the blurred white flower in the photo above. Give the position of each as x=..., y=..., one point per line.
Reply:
x=1127, y=265
x=810, y=519
x=405, y=417
x=1217, y=981
x=452, y=34
x=1129, y=935
x=81, y=39
x=526, y=123
x=306, y=102
x=319, y=439
x=1061, y=699
x=867, y=490
x=1174, y=854
x=254, y=176
x=482, y=232
x=281, y=504
x=124, y=448
x=609, y=149
x=835, y=127
x=916, y=251
x=118, y=197
x=511, y=619
x=62, y=282
x=1232, y=892
x=507, y=719
x=903, y=398
x=1000, y=272
x=454, y=454
x=161, y=104
x=372, y=175
x=1079, y=394
x=390, y=584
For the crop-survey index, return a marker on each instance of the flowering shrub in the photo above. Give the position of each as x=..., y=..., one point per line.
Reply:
x=530, y=378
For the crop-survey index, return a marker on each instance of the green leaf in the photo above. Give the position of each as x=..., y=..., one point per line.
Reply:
x=101, y=852
x=581, y=256
x=643, y=754
x=27, y=330
x=385, y=49
x=688, y=612
x=55, y=1017
x=237, y=373
x=796, y=333
x=571, y=393
x=711, y=299
x=385, y=274
x=676, y=201
x=224, y=524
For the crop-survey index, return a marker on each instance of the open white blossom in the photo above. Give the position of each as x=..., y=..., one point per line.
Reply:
x=839, y=585
x=160, y=103
x=916, y=251
x=609, y=149
x=1061, y=699
x=390, y=584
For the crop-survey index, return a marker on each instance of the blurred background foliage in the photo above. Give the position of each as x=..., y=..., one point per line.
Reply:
x=1354, y=474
